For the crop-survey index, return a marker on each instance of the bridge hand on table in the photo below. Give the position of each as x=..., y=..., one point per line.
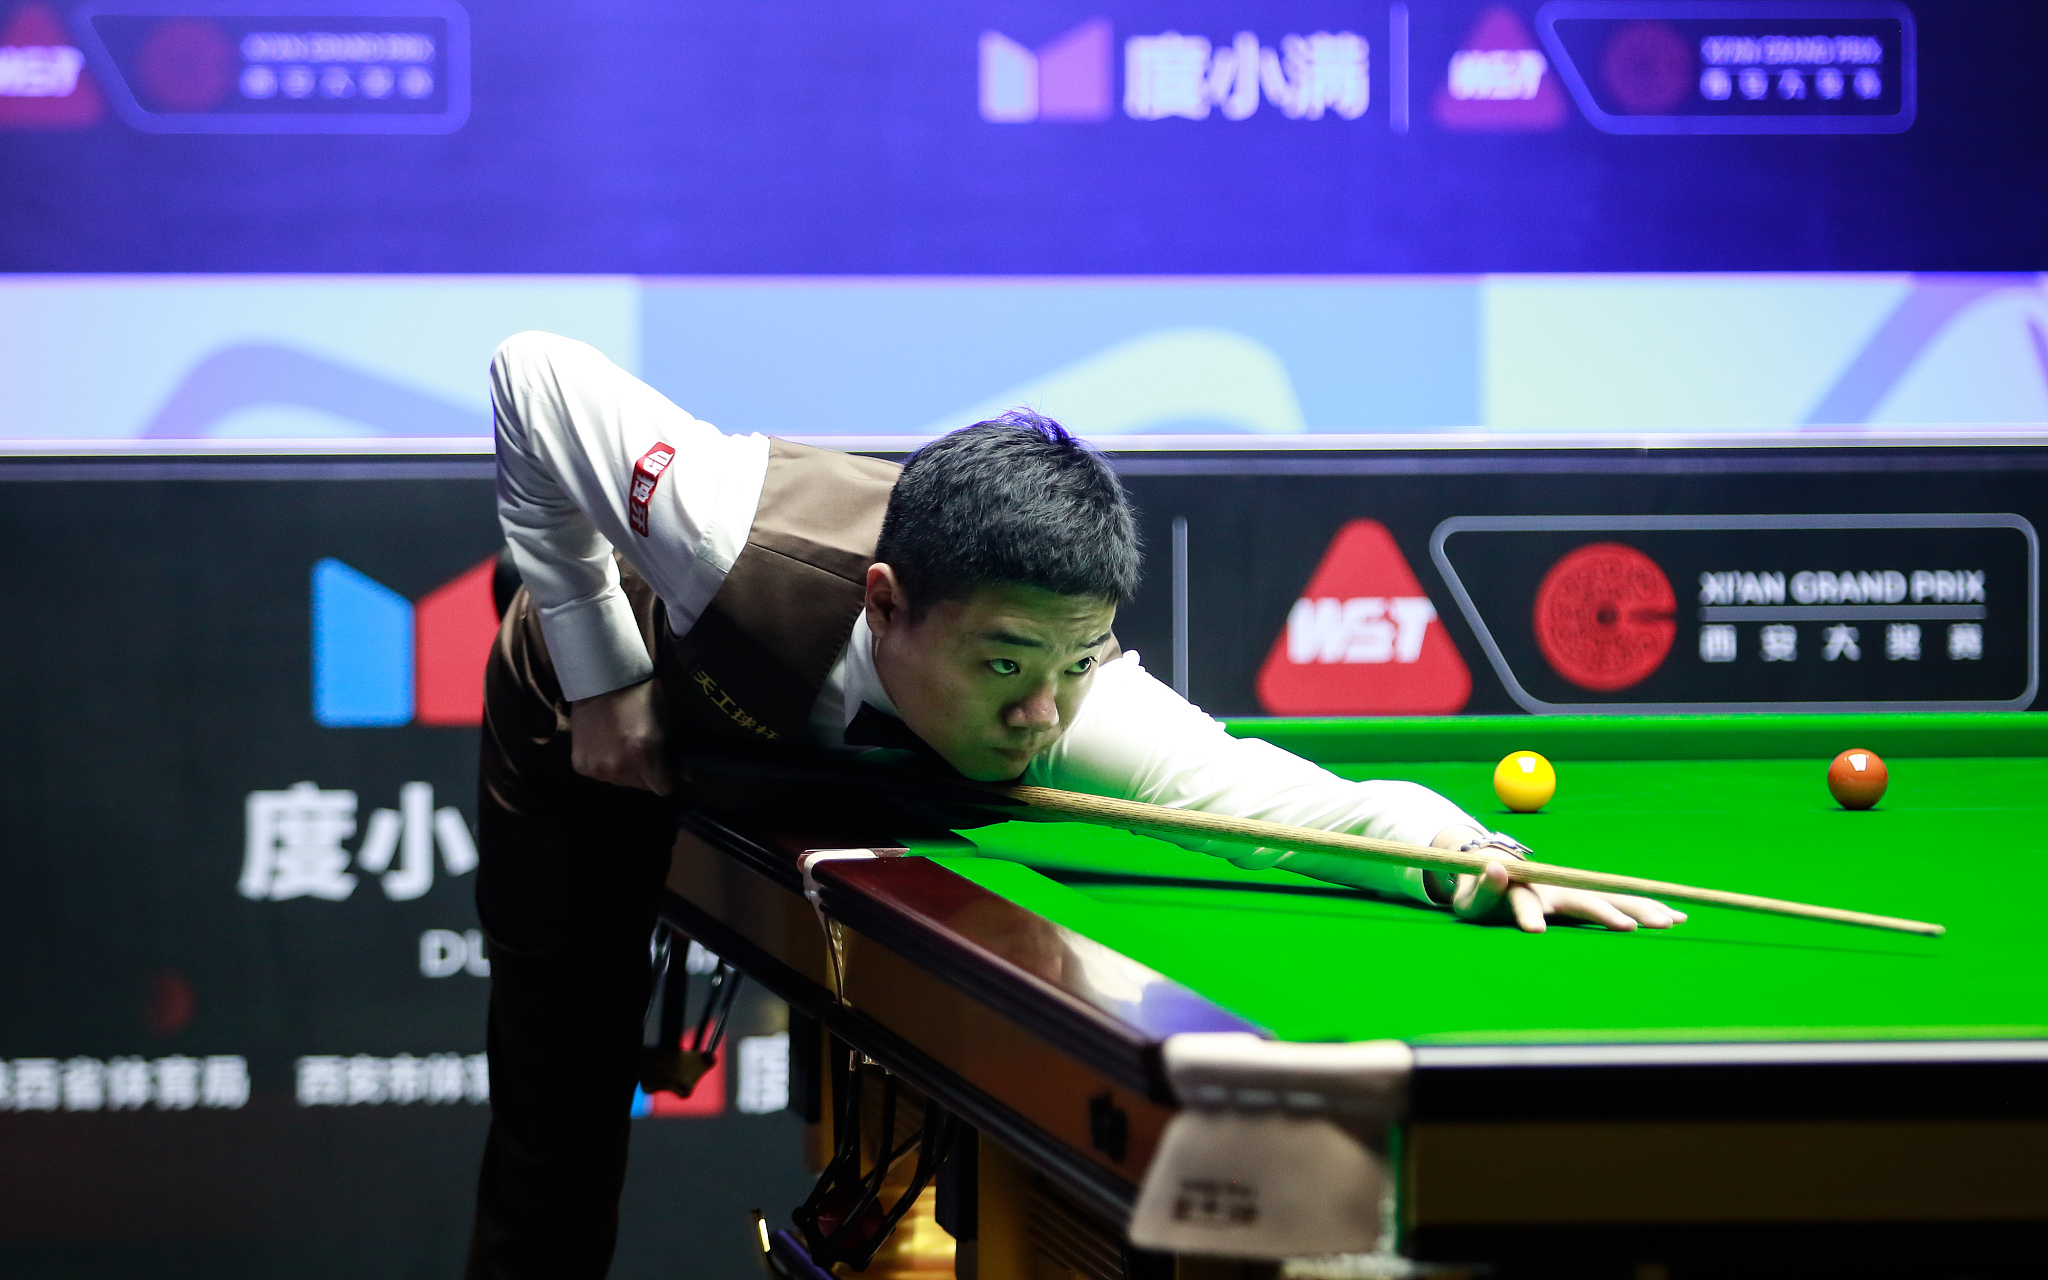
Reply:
x=1493, y=899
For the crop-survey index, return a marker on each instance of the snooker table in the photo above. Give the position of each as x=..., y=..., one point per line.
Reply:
x=1744, y=1094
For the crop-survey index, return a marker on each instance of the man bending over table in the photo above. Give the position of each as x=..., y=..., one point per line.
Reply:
x=783, y=598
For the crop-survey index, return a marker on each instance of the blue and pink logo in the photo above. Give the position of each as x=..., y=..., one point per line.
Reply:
x=379, y=659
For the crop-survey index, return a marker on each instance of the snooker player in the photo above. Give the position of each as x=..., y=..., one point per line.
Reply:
x=772, y=597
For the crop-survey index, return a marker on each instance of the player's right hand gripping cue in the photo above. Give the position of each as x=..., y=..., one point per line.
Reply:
x=1493, y=899
x=617, y=737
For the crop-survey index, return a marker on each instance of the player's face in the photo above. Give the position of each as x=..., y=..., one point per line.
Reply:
x=992, y=680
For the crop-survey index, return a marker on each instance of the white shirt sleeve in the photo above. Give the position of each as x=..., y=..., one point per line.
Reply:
x=571, y=425
x=1136, y=739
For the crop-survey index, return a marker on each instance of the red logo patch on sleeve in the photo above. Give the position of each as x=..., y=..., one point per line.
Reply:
x=646, y=475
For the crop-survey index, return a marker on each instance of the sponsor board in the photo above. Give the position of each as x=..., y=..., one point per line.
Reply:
x=1913, y=612
x=1714, y=66
x=1363, y=639
x=281, y=66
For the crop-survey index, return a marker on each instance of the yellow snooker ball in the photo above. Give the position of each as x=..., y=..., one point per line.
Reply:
x=1524, y=781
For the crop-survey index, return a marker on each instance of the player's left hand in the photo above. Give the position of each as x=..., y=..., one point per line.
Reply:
x=1493, y=899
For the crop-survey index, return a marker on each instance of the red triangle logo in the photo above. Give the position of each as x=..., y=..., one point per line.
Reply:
x=43, y=80
x=1499, y=80
x=1363, y=639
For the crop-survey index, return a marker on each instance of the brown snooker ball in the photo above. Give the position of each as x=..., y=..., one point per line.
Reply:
x=1857, y=778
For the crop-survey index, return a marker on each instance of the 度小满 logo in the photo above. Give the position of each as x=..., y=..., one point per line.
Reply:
x=1173, y=75
x=380, y=659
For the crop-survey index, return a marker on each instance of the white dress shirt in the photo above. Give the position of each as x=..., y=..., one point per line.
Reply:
x=571, y=425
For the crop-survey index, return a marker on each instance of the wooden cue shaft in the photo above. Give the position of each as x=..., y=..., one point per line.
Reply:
x=1136, y=815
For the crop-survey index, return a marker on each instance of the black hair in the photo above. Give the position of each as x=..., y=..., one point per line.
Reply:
x=1012, y=500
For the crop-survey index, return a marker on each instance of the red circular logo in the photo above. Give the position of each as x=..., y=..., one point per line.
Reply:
x=186, y=64
x=1649, y=67
x=1605, y=616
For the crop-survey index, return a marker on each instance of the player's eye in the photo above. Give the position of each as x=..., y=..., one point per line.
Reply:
x=1083, y=667
x=1004, y=666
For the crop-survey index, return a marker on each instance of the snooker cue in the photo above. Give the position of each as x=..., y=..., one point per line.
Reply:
x=1074, y=806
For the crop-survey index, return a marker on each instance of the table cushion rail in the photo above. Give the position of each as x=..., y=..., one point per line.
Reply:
x=1099, y=1189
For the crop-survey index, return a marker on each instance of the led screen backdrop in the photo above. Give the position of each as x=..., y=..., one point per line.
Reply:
x=1001, y=136
x=240, y=970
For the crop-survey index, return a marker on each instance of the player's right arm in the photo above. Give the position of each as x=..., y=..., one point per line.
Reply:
x=571, y=426
x=1136, y=739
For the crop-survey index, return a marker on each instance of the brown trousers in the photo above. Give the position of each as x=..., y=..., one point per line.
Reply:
x=566, y=886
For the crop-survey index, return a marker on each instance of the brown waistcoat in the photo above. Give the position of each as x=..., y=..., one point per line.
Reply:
x=750, y=669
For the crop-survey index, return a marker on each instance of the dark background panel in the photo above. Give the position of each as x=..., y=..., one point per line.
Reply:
x=278, y=1191
x=156, y=663
x=160, y=647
